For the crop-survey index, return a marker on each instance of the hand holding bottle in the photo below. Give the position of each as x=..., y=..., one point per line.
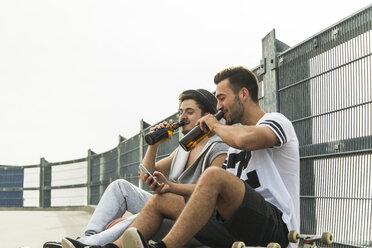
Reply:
x=162, y=131
x=207, y=123
x=192, y=138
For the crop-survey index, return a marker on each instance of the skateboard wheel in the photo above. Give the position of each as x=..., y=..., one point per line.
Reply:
x=238, y=244
x=327, y=238
x=293, y=236
x=273, y=245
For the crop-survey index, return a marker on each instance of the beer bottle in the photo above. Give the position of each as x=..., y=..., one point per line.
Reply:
x=159, y=134
x=196, y=135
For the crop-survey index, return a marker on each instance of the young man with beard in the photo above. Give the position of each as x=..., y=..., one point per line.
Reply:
x=181, y=168
x=256, y=199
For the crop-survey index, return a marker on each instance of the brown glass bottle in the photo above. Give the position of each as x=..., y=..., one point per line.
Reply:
x=196, y=135
x=155, y=136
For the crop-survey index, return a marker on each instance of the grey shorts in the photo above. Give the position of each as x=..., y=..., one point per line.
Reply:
x=256, y=223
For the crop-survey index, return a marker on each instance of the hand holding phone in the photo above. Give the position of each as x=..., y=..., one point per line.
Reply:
x=146, y=171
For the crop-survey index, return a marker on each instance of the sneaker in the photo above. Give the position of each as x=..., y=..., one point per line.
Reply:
x=132, y=238
x=52, y=244
x=72, y=243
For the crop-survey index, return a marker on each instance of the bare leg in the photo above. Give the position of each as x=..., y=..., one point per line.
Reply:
x=152, y=215
x=215, y=188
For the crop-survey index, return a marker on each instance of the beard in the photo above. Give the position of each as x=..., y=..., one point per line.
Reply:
x=236, y=112
x=185, y=131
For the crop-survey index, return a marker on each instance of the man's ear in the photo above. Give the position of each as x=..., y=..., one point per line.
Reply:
x=244, y=94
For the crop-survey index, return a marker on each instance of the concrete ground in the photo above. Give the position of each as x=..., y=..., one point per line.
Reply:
x=32, y=227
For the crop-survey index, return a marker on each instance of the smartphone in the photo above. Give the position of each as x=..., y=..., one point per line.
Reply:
x=146, y=171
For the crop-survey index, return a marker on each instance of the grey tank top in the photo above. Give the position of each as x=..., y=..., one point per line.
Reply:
x=214, y=147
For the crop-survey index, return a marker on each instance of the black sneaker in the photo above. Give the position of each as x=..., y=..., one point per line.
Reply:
x=52, y=244
x=72, y=243
x=132, y=238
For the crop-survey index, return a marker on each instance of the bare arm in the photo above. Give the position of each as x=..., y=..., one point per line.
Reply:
x=162, y=165
x=247, y=137
x=242, y=137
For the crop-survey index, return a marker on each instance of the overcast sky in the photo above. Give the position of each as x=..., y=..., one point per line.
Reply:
x=76, y=74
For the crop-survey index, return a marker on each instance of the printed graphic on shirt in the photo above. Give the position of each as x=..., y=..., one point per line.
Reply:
x=253, y=180
x=239, y=161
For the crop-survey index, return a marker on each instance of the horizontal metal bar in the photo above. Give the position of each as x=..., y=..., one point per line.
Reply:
x=66, y=186
x=336, y=197
x=129, y=164
x=32, y=188
x=68, y=162
x=100, y=183
x=129, y=151
x=337, y=154
x=132, y=177
x=16, y=167
x=12, y=189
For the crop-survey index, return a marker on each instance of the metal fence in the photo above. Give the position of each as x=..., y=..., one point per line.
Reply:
x=80, y=181
x=325, y=89
x=323, y=85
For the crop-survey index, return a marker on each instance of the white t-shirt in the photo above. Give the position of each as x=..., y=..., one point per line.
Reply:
x=273, y=172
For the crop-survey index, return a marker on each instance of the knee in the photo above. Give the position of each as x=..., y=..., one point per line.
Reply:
x=166, y=197
x=118, y=183
x=212, y=176
x=161, y=201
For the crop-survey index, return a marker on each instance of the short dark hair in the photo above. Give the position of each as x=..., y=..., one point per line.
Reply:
x=205, y=100
x=239, y=77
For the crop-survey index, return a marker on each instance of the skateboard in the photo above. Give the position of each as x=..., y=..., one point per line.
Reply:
x=309, y=240
x=240, y=244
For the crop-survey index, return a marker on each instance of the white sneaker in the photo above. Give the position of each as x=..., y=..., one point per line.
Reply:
x=71, y=243
x=132, y=238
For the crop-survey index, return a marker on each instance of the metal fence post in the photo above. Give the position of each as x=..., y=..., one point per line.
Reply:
x=268, y=69
x=89, y=176
x=45, y=184
x=41, y=184
x=121, y=139
x=141, y=138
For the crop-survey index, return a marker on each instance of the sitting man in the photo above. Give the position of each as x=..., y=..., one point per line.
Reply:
x=182, y=168
x=256, y=199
